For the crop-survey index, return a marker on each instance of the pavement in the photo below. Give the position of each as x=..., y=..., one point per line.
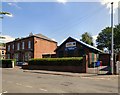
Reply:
x=71, y=74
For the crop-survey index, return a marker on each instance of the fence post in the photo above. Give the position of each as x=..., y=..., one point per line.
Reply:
x=86, y=62
x=117, y=67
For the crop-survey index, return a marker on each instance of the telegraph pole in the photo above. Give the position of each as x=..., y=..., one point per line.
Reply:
x=112, y=41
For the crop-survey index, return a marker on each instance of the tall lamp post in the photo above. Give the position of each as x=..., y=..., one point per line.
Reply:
x=112, y=41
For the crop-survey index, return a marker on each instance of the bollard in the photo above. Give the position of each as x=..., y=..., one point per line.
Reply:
x=12, y=64
x=117, y=67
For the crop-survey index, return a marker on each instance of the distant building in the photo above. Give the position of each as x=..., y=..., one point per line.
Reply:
x=33, y=46
x=75, y=48
x=2, y=52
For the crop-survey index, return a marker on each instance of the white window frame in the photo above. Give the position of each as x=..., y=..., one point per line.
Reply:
x=16, y=56
x=13, y=46
x=29, y=44
x=8, y=47
x=18, y=46
x=23, y=45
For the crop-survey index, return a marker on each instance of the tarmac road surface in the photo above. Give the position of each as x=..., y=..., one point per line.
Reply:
x=17, y=81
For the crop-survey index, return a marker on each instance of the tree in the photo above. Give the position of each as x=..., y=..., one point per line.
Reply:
x=87, y=38
x=4, y=13
x=104, y=38
x=117, y=36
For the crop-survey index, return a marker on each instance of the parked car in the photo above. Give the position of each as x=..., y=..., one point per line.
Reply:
x=21, y=63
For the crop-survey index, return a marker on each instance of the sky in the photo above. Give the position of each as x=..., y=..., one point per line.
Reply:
x=56, y=20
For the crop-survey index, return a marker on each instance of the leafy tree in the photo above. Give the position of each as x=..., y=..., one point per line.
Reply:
x=87, y=38
x=117, y=36
x=2, y=44
x=4, y=13
x=104, y=38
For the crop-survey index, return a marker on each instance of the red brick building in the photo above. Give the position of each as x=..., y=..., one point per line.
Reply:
x=33, y=46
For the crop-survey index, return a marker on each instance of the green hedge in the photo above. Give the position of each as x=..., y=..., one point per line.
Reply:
x=56, y=61
x=8, y=61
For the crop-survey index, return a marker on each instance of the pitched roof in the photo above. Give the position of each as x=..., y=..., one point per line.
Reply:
x=43, y=37
x=83, y=43
x=35, y=35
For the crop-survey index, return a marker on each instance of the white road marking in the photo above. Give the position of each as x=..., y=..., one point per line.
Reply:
x=43, y=89
x=28, y=86
x=96, y=78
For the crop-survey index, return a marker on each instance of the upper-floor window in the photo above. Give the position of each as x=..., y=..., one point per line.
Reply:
x=29, y=44
x=18, y=46
x=13, y=46
x=23, y=45
x=8, y=47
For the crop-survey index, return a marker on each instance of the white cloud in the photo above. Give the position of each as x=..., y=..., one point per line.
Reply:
x=7, y=38
x=107, y=3
x=94, y=39
x=62, y=1
x=14, y=4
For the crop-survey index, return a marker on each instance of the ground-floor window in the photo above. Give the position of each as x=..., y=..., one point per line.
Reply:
x=16, y=56
x=27, y=56
x=8, y=56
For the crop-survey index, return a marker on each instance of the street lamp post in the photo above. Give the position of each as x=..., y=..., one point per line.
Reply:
x=112, y=41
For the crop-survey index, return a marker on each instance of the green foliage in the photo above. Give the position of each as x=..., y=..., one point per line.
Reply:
x=2, y=44
x=87, y=38
x=104, y=38
x=2, y=37
x=4, y=13
x=117, y=36
x=8, y=61
x=56, y=61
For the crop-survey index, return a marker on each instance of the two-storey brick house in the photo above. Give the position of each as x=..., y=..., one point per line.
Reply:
x=33, y=46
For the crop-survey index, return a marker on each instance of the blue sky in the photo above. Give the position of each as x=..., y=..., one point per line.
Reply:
x=55, y=20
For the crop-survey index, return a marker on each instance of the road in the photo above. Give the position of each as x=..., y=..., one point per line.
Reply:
x=18, y=81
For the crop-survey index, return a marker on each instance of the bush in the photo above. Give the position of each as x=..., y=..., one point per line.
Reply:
x=56, y=61
x=8, y=62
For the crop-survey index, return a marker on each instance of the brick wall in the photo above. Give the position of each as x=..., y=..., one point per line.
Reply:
x=42, y=46
x=21, y=52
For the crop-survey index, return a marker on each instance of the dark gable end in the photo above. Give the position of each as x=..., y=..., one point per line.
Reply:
x=91, y=48
x=62, y=44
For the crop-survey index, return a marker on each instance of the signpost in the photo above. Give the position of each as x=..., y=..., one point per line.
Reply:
x=112, y=41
